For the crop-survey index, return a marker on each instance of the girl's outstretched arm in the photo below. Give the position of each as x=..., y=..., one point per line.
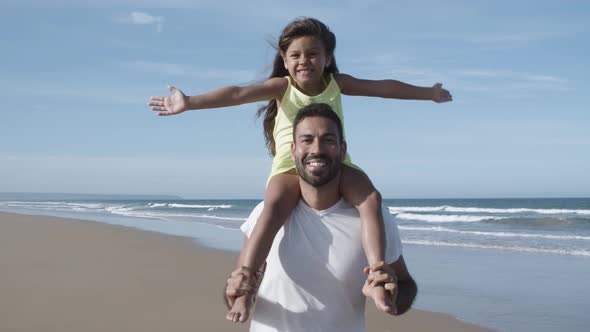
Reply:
x=178, y=102
x=391, y=89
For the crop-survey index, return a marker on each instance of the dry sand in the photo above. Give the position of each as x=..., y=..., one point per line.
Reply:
x=67, y=275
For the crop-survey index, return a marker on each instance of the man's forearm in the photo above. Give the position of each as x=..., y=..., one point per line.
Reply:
x=238, y=284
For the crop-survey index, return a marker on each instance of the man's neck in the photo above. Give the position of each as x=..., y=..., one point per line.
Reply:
x=322, y=197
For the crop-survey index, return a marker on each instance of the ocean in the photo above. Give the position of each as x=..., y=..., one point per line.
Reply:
x=508, y=264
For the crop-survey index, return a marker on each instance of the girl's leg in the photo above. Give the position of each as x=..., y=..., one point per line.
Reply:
x=357, y=189
x=280, y=198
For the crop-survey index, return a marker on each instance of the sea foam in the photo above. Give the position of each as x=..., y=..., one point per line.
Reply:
x=436, y=218
x=447, y=208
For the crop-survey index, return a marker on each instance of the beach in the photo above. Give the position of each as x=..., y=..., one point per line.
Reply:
x=63, y=274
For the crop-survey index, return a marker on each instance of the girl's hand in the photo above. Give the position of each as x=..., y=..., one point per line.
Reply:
x=169, y=105
x=440, y=95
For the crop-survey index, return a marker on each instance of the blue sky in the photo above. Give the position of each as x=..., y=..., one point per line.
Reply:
x=75, y=78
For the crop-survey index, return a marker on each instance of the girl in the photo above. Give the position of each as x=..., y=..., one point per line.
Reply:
x=304, y=71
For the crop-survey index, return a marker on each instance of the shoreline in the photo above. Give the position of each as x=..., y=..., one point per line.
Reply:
x=64, y=274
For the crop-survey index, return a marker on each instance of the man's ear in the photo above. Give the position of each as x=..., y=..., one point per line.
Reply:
x=343, y=150
x=293, y=151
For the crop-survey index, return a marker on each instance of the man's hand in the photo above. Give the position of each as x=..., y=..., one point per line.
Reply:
x=382, y=274
x=240, y=282
x=398, y=282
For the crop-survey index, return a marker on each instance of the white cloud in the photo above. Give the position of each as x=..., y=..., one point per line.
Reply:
x=174, y=69
x=141, y=18
x=545, y=78
x=94, y=93
x=483, y=73
x=512, y=75
x=493, y=40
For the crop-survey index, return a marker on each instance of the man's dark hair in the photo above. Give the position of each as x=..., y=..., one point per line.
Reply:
x=321, y=110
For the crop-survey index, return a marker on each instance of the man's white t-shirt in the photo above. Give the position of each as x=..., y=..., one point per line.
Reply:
x=314, y=274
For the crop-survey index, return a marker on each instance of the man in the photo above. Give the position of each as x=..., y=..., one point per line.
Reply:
x=315, y=275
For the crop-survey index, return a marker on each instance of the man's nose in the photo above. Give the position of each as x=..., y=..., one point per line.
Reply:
x=316, y=146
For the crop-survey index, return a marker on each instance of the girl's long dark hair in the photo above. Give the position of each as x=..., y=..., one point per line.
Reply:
x=299, y=28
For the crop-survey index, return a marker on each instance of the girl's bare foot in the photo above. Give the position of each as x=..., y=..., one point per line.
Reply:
x=240, y=311
x=381, y=298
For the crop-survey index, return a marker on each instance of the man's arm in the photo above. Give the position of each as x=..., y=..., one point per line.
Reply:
x=397, y=280
x=241, y=281
x=406, y=286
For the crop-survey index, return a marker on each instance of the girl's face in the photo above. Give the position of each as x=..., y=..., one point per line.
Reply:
x=305, y=60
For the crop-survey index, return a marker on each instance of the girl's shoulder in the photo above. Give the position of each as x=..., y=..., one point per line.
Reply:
x=341, y=79
x=272, y=88
x=278, y=81
x=350, y=85
x=279, y=84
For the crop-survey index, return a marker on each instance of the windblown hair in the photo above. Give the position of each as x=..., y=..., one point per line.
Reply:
x=301, y=27
x=320, y=110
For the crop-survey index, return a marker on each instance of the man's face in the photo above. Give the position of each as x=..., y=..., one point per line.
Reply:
x=317, y=151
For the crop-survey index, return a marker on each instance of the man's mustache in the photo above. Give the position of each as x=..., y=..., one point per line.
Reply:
x=317, y=157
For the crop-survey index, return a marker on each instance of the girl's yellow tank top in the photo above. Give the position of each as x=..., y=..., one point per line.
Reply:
x=291, y=102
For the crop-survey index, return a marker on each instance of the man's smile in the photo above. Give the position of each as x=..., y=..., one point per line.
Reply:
x=315, y=164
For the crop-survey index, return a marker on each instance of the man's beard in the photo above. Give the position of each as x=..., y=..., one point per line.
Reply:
x=325, y=176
